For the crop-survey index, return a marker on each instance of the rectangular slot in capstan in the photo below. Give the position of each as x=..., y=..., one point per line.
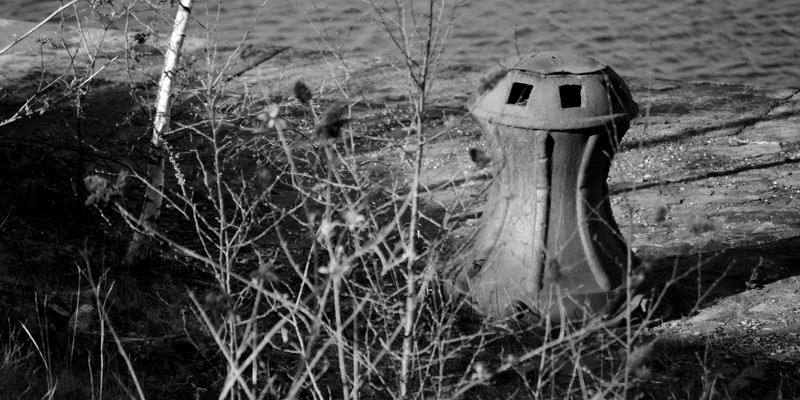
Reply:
x=570, y=96
x=520, y=92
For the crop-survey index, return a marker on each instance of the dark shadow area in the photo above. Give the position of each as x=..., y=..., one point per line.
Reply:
x=44, y=158
x=623, y=187
x=672, y=370
x=694, y=132
x=480, y=177
x=251, y=57
x=725, y=272
x=726, y=367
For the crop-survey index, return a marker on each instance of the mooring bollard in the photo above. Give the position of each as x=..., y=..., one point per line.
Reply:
x=547, y=241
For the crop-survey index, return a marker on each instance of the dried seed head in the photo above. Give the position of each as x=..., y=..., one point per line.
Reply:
x=330, y=127
x=102, y=190
x=269, y=113
x=640, y=355
x=265, y=176
x=46, y=40
x=479, y=157
x=140, y=37
x=482, y=373
x=218, y=305
x=302, y=93
x=98, y=189
x=451, y=121
x=265, y=271
x=661, y=214
x=700, y=225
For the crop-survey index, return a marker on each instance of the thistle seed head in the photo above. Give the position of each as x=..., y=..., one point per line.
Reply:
x=302, y=93
x=330, y=126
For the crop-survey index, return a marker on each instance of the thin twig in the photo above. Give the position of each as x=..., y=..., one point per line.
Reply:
x=39, y=25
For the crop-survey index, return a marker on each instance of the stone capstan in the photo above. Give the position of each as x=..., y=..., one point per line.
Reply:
x=547, y=241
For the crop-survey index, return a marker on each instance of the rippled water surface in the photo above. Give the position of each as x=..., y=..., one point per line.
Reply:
x=738, y=41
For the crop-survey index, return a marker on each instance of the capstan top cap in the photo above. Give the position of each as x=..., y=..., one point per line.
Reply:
x=553, y=90
x=554, y=63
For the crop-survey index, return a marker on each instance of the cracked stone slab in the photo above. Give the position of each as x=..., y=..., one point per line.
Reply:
x=781, y=125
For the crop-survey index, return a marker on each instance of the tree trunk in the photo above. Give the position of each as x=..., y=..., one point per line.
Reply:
x=155, y=160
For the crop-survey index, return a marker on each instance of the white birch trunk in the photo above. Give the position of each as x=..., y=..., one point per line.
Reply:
x=155, y=161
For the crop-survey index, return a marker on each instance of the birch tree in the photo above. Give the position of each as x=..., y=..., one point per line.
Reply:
x=155, y=161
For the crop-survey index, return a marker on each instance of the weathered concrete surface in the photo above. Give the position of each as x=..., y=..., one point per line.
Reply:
x=719, y=162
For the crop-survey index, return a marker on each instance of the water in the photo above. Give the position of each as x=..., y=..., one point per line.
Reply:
x=752, y=42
